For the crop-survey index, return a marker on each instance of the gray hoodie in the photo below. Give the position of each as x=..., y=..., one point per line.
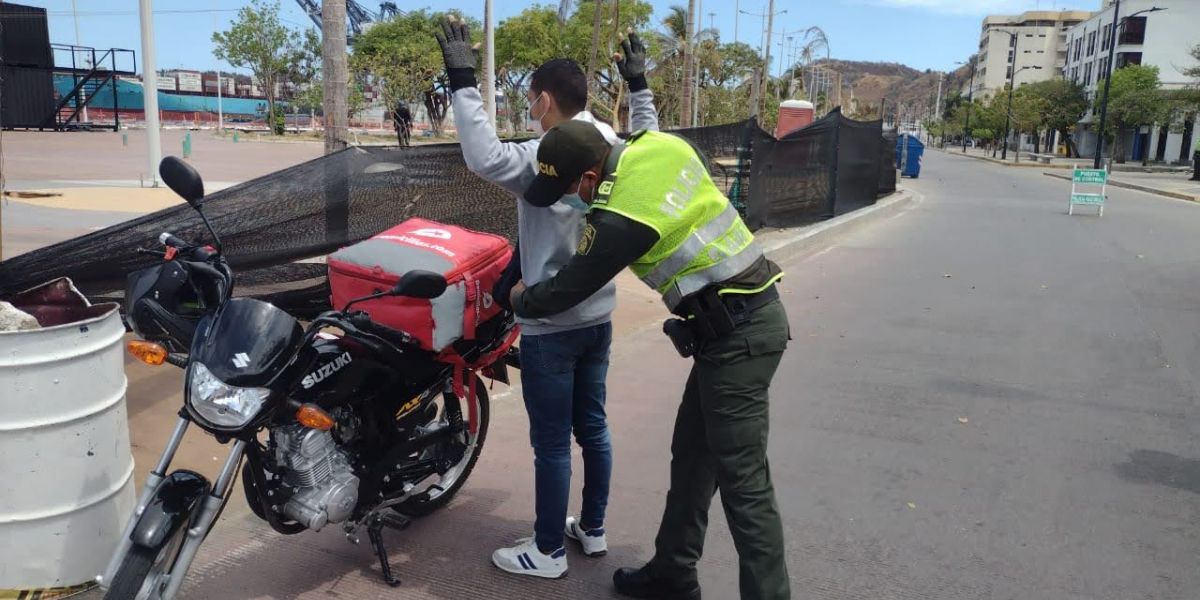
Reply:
x=548, y=236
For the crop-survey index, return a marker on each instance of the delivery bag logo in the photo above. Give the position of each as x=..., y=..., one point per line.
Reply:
x=440, y=234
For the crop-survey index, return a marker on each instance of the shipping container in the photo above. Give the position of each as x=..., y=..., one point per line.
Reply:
x=24, y=36
x=28, y=98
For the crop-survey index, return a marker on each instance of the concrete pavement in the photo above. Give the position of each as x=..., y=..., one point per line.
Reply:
x=984, y=398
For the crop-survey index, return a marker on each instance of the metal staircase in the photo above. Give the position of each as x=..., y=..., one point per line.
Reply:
x=91, y=72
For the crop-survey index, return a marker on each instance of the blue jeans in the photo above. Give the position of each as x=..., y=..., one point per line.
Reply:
x=562, y=377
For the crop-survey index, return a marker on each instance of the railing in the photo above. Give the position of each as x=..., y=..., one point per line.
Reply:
x=82, y=59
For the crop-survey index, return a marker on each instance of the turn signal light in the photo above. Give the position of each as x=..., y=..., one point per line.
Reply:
x=147, y=352
x=313, y=417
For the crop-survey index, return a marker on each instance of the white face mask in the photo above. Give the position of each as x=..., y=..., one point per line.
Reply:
x=537, y=121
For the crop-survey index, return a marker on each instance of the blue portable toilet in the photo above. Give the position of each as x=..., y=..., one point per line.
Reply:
x=909, y=151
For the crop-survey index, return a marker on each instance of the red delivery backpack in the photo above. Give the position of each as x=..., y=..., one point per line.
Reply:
x=471, y=261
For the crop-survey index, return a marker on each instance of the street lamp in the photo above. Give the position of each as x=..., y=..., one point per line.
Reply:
x=1008, y=113
x=970, y=100
x=1112, y=48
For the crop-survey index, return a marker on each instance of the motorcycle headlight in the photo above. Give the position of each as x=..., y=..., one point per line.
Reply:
x=221, y=404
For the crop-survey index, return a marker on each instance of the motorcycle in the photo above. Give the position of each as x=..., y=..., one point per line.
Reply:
x=344, y=421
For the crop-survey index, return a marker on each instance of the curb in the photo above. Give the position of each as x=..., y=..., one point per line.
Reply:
x=785, y=244
x=1002, y=163
x=1140, y=188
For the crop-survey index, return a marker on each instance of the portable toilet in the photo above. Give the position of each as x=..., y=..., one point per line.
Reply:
x=909, y=151
x=793, y=115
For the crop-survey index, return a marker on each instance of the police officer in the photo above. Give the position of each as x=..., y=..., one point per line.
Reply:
x=656, y=210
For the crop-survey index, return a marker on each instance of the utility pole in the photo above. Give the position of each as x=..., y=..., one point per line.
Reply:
x=737, y=12
x=696, y=64
x=1118, y=22
x=767, y=50
x=970, y=102
x=689, y=61
x=82, y=94
x=937, y=107
x=220, y=106
x=1013, y=40
x=150, y=91
x=489, y=69
x=333, y=66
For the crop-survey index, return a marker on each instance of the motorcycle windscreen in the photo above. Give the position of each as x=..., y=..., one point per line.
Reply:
x=248, y=343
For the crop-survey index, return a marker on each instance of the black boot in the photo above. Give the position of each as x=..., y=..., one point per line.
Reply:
x=641, y=583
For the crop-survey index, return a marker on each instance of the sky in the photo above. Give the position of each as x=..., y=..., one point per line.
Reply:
x=924, y=34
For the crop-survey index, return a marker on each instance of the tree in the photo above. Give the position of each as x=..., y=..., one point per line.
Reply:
x=257, y=40
x=530, y=39
x=402, y=59
x=669, y=50
x=1133, y=101
x=1063, y=103
x=1027, y=109
x=1194, y=70
x=523, y=43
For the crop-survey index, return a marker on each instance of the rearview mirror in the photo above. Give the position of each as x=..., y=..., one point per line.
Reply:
x=182, y=179
x=420, y=284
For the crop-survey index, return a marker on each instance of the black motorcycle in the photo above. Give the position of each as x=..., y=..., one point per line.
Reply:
x=344, y=421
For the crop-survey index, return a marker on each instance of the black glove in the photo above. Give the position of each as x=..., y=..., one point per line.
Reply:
x=632, y=64
x=508, y=279
x=458, y=53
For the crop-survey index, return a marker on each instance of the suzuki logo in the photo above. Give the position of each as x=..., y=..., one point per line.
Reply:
x=241, y=360
x=440, y=234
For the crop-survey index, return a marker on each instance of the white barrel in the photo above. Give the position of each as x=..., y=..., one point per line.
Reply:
x=66, y=471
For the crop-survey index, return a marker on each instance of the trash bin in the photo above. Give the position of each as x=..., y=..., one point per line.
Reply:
x=1196, y=165
x=909, y=151
x=67, y=484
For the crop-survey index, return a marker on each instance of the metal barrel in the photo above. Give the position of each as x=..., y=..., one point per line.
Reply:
x=66, y=471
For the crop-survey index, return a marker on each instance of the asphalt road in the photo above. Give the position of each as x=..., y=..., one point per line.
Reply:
x=984, y=398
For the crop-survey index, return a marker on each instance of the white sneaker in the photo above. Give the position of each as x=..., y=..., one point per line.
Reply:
x=526, y=559
x=594, y=542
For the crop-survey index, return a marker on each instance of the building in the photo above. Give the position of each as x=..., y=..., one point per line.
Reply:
x=1161, y=39
x=1038, y=39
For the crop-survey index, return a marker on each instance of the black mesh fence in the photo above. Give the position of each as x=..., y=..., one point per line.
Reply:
x=277, y=229
x=887, y=162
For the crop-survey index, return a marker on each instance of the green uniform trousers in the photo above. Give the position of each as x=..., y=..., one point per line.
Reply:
x=720, y=442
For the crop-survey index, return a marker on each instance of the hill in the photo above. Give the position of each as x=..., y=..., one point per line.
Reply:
x=911, y=91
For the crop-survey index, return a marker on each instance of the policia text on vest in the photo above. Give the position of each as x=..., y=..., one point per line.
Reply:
x=656, y=210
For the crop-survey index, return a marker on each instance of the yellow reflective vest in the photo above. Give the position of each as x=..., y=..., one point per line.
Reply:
x=660, y=182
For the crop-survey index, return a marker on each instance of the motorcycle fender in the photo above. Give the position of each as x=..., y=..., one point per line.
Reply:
x=174, y=502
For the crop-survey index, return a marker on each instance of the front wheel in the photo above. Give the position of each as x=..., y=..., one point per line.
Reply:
x=453, y=479
x=143, y=573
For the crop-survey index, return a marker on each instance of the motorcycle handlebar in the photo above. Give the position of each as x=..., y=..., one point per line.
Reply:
x=167, y=239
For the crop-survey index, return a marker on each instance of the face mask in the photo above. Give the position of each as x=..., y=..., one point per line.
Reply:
x=574, y=201
x=537, y=121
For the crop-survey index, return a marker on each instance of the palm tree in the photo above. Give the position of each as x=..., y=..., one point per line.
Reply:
x=814, y=41
x=672, y=40
x=671, y=58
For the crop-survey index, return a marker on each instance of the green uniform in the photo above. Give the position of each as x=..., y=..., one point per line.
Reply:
x=660, y=214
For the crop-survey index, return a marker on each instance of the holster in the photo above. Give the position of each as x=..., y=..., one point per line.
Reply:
x=708, y=318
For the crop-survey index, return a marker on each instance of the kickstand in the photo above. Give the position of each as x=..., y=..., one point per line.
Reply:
x=375, y=524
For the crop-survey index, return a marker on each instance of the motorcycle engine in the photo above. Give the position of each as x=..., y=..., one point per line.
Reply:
x=325, y=484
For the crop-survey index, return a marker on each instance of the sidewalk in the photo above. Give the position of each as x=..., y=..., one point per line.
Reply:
x=1021, y=159
x=1171, y=185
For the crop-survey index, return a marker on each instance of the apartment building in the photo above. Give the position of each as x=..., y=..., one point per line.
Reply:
x=1031, y=39
x=1159, y=38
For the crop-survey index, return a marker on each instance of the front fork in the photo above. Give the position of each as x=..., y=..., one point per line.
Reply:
x=198, y=526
